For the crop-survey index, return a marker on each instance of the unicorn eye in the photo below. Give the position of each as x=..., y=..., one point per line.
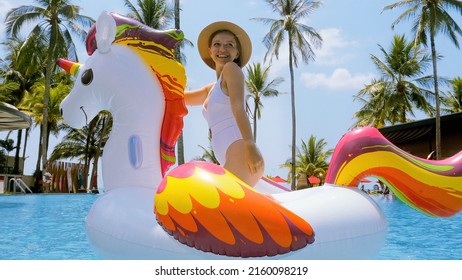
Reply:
x=87, y=77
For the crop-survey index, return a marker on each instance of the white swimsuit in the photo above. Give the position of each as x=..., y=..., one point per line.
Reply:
x=221, y=121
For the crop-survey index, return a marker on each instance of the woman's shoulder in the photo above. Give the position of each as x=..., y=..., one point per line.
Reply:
x=231, y=69
x=232, y=66
x=232, y=79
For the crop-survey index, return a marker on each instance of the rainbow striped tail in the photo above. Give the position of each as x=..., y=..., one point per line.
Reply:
x=431, y=186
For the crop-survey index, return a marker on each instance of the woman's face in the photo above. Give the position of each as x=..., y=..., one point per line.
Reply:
x=223, y=48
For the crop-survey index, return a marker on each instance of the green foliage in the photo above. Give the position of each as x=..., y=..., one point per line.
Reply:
x=208, y=154
x=402, y=87
x=7, y=145
x=453, y=99
x=157, y=14
x=258, y=86
x=312, y=159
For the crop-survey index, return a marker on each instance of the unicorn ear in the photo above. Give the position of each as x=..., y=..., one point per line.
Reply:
x=105, y=32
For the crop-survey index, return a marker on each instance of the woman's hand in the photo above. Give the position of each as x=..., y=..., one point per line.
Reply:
x=253, y=157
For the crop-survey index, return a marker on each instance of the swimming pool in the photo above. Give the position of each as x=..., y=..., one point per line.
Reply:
x=45, y=227
x=52, y=227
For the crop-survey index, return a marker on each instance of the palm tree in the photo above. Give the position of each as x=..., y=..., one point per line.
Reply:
x=453, y=100
x=430, y=18
x=56, y=21
x=300, y=37
x=259, y=87
x=33, y=104
x=19, y=76
x=208, y=155
x=375, y=111
x=312, y=159
x=20, y=73
x=154, y=13
x=6, y=146
x=401, y=88
x=85, y=144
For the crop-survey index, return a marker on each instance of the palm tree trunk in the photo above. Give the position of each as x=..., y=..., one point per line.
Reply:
x=25, y=143
x=18, y=149
x=437, y=100
x=38, y=174
x=292, y=95
x=39, y=153
x=255, y=122
x=98, y=150
x=50, y=65
x=180, y=143
x=94, y=175
x=46, y=101
x=180, y=149
x=86, y=164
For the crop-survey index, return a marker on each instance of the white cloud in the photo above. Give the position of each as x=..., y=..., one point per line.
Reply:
x=335, y=50
x=340, y=78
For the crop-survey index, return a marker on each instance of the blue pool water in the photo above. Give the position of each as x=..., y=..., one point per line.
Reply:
x=45, y=227
x=52, y=227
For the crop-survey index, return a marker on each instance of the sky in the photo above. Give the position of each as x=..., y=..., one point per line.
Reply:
x=352, y=30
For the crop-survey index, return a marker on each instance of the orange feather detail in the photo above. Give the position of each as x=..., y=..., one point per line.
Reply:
x=242, y=220
x=166, y=222
x=234, y=220
x=214, y=222
x=186, y=220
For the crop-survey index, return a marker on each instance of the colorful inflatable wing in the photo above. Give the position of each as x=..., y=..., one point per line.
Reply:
x=206, y=207
x=433, y=187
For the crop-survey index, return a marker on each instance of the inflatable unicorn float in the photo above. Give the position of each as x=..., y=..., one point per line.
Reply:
x=199, y=210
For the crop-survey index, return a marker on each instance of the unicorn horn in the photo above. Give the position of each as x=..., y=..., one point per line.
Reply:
x=71, y=67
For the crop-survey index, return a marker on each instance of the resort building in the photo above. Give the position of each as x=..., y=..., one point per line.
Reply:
x=418, y=137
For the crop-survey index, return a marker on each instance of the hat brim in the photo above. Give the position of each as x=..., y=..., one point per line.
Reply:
x=241, y=35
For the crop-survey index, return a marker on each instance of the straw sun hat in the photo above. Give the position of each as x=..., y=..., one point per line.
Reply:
x=241, y=35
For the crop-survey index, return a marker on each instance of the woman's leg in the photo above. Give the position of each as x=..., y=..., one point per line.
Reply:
x=236, y=164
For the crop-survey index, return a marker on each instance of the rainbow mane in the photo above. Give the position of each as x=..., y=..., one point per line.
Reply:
x=156, y=48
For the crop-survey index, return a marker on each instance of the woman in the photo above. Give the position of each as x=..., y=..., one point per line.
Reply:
x=226, y=48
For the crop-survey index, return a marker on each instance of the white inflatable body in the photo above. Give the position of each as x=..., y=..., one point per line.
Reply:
x=122, y=225
x=348, y=225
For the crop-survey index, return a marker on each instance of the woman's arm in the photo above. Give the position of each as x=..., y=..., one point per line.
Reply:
x=233, y=85
x=197, y=96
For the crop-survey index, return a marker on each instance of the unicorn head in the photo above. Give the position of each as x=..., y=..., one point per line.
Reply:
x=132, y=73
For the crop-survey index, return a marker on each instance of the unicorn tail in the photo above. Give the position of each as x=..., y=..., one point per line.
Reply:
x=433, y=187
